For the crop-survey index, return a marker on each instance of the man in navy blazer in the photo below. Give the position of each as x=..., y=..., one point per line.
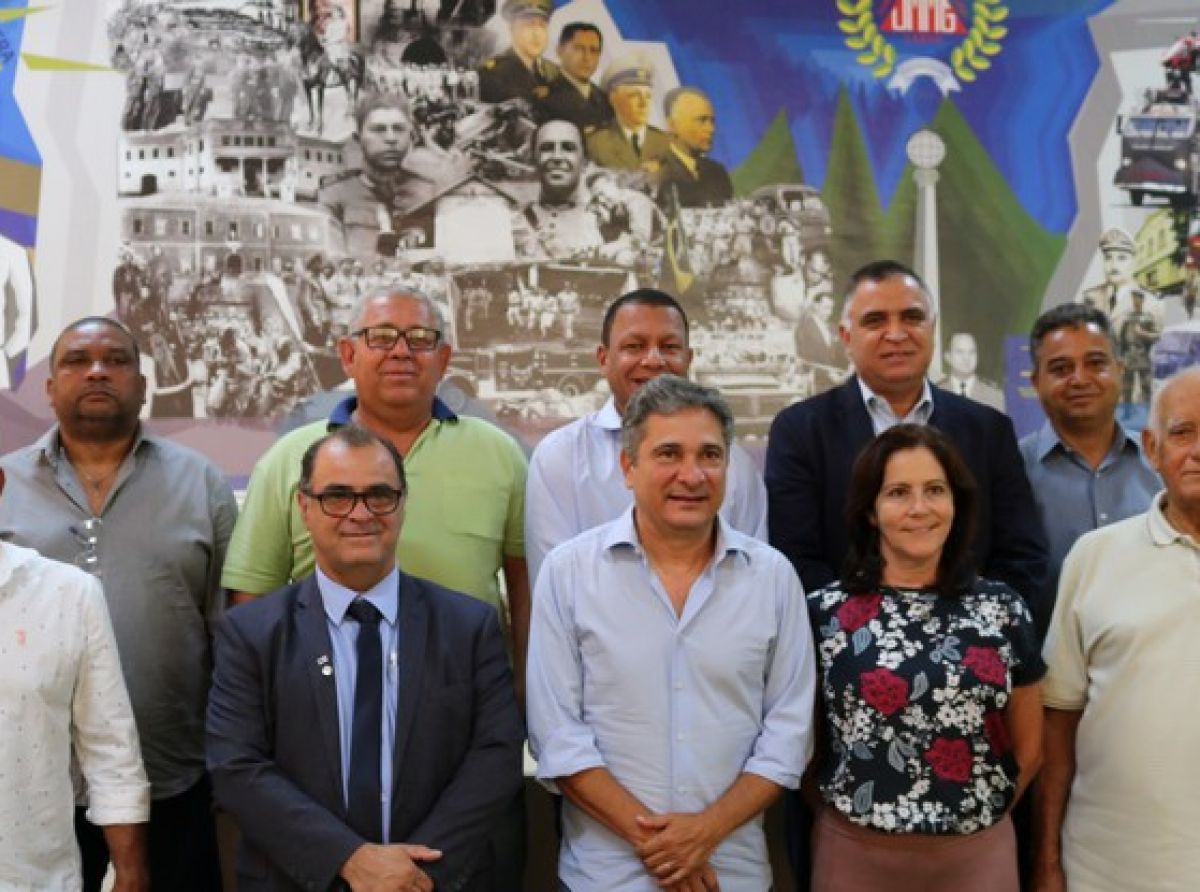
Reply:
x=394, y=777
x=887, y=327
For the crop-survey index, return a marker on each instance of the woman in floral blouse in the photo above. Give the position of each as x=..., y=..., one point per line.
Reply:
x=929, y=683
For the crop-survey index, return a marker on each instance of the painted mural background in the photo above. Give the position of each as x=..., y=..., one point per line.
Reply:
x=196, y=168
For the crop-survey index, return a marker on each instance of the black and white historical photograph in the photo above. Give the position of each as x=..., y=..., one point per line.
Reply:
x=280, y=160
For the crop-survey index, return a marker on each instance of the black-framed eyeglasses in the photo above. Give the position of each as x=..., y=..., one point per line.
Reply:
x=338, y=502
x=419, y=338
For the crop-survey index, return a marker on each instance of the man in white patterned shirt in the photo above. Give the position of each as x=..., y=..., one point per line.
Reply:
x=63, y=695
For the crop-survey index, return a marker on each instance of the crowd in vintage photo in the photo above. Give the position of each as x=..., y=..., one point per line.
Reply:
x=281, y=159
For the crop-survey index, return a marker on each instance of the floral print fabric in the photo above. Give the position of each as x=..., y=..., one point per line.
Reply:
x=914, y=687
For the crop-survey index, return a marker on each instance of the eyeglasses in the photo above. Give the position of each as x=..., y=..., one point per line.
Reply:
x=384, y=337
x=87, y=534
x=336, y=502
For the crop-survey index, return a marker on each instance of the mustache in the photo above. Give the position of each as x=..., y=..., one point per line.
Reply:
x=93, y=389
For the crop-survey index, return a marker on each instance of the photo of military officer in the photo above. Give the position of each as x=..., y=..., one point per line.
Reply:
x=374, y=203
x=629, y=141
x=558, y=225
x=521, y=70
x=1115, y=295
x=689, y=178
x=572, y=96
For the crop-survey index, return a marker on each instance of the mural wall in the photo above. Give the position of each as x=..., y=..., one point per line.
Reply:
x=228, y=177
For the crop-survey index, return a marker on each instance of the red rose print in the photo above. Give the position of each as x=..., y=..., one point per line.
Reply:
x=884, y=689
x=858, y=610
x=950, y=759
x=986, y=664
x=996, y=730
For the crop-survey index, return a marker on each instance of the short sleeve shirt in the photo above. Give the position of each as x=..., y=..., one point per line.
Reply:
x=464, y=515
x=914, y=686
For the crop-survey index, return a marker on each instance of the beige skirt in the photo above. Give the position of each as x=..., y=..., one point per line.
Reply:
x=850, y=858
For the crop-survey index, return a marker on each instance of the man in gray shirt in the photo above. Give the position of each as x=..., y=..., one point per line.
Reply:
x=152, y=520
x=1086, y=471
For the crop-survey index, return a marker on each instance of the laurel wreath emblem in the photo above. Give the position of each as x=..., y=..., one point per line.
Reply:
x=983, y=40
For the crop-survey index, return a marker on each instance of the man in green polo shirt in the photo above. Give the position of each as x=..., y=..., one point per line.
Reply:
x=465, y=512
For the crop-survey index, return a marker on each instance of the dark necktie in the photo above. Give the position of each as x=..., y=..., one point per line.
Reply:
x=365, y=810
x=962, y=388
x=637, y=144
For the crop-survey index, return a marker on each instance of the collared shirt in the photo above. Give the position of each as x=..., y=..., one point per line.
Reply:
x=62, y=694
x=1074, y=498
x=675, y=707
x=961, y=386
x=636, y=138
x=465, y=511
x=576, y=483
x=343, y=636
x=684, y=158
x=584, y=87
x=1122, y=649
x=883, y=417
x=162, y=539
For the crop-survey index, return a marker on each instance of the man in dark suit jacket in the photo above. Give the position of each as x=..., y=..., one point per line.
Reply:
x=887, y=327
x=572, y=96
x=688, y=175
x=340, y=778
x=521, y=70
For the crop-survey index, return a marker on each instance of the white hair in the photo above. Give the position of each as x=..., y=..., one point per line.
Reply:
x=1156, y=422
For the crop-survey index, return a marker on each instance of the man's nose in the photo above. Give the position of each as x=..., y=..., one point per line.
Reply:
x=653, y=356
x=359, y=510
x=690, y=471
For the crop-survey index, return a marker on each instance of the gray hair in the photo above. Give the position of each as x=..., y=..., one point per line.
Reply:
x=666, y=395
x=1155, y=421
x=397, y=291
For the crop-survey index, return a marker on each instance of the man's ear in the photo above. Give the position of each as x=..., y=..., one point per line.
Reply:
x=626, y=466
x=345, y=348
x=1150, y=448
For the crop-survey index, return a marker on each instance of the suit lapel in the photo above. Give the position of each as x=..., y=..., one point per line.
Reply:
x=316, y=655
x=414, y=633
x=943, y=416
x=857, y=420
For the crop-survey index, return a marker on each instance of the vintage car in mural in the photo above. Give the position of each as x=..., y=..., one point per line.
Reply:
x=1178, y=348
x=506, y=371
x=1160, y=149
x=804, y=205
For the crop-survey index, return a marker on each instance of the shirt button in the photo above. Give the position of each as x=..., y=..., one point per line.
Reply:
x=1104, y=517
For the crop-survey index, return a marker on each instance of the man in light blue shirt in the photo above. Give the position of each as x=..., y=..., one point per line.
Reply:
x=1085, y=469
x=575, y=479
x=671, y=674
